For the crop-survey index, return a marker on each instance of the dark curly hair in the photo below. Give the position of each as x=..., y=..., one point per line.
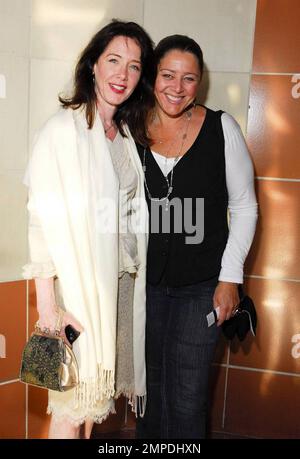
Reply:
x=134, y=110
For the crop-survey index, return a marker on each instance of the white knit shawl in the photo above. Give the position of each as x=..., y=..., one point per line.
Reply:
x=61, y=183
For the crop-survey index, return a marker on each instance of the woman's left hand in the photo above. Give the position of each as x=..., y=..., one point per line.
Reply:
x=226, y=297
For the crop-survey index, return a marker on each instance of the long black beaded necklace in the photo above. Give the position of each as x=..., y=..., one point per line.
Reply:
x=169, y=182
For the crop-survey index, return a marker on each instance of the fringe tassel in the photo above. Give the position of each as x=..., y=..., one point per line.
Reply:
x=87, y=393
x=137, y=402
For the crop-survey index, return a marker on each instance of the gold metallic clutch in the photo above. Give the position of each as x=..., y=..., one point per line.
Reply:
x=48, y=362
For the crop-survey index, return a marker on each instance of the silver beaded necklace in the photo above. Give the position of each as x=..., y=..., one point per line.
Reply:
x=169, y=182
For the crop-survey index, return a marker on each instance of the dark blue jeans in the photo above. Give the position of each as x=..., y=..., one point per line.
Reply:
x=179, y=351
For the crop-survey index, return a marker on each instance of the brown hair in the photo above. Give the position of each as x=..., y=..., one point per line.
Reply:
x=134, y=110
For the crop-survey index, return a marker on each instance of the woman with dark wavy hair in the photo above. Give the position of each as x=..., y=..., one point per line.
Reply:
x=88, y=225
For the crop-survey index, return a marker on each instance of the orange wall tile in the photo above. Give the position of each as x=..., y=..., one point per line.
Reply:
x=12, y=409
x=277, y=39
x=38, y=420
x=32, y=311
x=277, y=344
x=273, y=132
x=263, y=405
x=276, y=248
x=12, y=327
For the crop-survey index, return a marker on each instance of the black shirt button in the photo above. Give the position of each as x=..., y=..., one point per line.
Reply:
x=164, y=253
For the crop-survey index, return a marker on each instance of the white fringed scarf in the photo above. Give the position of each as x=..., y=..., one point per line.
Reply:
x=63, y=191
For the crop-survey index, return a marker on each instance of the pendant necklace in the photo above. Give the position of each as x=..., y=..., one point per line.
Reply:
x=169, y=182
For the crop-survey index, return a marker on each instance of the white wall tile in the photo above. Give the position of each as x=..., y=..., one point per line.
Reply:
x=13, y=228
x=62, y=28
x=223, y=29
x=228, y=92
x=16, y=7
x=14, y=26
x=48, y=79
x=14, y=112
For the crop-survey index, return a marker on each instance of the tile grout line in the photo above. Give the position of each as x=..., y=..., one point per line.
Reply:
x=234, y=434
x=276, y=73
x=11, y=381
x=26, y=393
x=257, y=370
x=28, y=156
x=277, y=179
x=225, y=388
x=250, y=70
x=17, y=279
x=253, y=276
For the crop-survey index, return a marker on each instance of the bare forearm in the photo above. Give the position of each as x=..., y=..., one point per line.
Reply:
x=45, y=294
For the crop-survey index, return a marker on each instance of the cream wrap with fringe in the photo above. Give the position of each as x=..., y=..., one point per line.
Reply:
x=63, y=195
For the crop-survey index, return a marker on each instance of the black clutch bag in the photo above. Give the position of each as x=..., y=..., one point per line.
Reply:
x=244, y=319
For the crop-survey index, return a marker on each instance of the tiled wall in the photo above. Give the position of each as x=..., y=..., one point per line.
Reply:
x=254, y=384
x=258, y=382
x=14, y=122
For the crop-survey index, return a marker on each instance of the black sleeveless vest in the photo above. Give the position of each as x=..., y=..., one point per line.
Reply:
x=200, y=173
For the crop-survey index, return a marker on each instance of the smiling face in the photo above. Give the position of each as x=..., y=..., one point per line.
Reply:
x=117, y=71
x=177, y=82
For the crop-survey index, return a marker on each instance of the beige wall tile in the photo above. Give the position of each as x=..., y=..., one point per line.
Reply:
x=224, y=30
x=14, y=26
x=228, y=92
x=17, y=7
x=13, y=217
x=48, y=79
x=62, y=28
x=14, y=112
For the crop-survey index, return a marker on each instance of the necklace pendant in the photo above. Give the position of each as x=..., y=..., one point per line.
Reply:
x=167, y=205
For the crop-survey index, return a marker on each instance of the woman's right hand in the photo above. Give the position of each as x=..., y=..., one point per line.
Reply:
x=48, y=317
x=48, y=309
